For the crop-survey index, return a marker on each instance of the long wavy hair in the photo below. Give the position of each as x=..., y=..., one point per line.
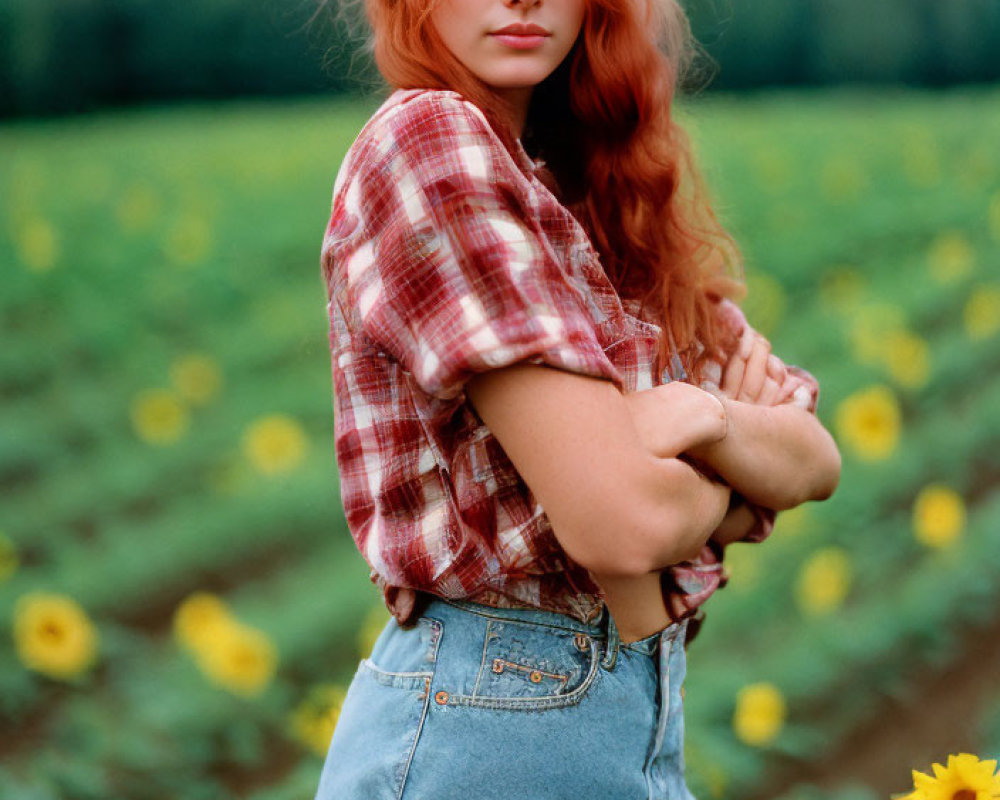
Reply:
x=615, y=156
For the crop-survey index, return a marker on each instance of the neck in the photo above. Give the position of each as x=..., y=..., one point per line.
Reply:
x=517, y=99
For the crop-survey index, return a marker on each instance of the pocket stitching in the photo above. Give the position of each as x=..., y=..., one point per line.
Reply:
x=524, y=668
x=407, y=680
x=369, y=664
x=551, y=701
x=437, y=626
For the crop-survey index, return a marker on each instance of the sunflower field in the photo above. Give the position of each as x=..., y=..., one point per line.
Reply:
x=181, y=604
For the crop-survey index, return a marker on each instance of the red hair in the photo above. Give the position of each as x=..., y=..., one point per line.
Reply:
x=615, y=156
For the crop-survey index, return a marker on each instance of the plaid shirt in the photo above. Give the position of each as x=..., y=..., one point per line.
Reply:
x=447, y=257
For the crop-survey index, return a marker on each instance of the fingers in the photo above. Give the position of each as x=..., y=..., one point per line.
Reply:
x=776, y=368
x=753, y=374
x=756, y=370
x=770, y=394
x=732, y=375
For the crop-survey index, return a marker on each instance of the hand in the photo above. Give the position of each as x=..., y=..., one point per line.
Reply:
x=737, y=523
x=677, y=416
x=753, y=374
x=714, y=503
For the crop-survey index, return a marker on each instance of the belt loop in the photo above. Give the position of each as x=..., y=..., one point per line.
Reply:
x=614, y=642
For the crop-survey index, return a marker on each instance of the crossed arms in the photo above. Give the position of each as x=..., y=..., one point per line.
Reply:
x=605, y=466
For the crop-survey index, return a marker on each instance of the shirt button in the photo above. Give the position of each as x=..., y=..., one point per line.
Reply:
x=582, y=643
x=441, y=698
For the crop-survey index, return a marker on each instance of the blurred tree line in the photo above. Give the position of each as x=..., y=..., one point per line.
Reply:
x=74, y=55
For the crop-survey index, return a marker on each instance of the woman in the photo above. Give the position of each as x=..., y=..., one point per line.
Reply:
x=550, y=420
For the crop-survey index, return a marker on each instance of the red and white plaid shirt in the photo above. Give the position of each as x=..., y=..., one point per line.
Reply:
x=448, y=257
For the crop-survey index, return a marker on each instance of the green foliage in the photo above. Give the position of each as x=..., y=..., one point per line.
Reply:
x=923, y=42
x=132, y=241
x=67, y=57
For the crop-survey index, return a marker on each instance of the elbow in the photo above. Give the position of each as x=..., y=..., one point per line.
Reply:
x=674, y=535
x=619, y=550
x=821, y=480
x=830, y=474
x=826, y=475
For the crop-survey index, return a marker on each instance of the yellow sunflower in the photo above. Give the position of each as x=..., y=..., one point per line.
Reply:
x=197, y=377
x=275, y=444
x=37, y=244
x=198, y=619
x=759, y=714
x=53, y=635
x=908, y=358
x=824, y=581
x=872, y=324
x=950, y=256
x=868, y=421
x=239, y=658
x=982, y=312
x=158, y=416
x=314, y=719
x=965, y=778
x=938, y=515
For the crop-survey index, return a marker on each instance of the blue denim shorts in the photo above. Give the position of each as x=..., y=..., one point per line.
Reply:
x=482, y=703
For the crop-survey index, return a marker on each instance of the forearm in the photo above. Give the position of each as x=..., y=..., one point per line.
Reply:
x=637, y=604
x=693, y=507
x=775, y=456
x=738, y=522
x=699, y=507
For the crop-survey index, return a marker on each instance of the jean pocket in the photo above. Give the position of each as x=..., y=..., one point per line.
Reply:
x=405, y=657
x=527, y=666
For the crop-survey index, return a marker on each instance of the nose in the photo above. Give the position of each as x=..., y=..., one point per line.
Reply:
x=521, y=3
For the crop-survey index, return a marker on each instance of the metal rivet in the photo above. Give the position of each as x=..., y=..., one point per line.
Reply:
x=441, y=698
x=497, y=665
x=582, y=642
x=535, y=677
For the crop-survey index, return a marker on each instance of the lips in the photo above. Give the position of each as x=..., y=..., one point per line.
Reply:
x=522, y=29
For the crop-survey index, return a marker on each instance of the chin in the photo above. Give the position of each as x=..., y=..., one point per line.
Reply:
x=517, y=81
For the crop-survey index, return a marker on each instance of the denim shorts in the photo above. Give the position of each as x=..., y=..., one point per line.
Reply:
x=482, y=703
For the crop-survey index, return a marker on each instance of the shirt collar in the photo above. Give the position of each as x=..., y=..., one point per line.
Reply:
x=526, y=161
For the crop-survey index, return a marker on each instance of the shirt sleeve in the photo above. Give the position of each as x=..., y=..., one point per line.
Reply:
x=452, y=273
